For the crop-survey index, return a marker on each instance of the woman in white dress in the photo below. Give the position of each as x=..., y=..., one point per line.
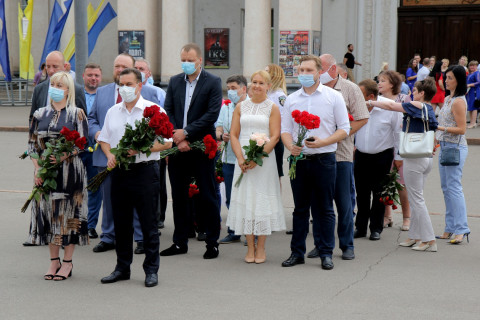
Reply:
x=256, y=205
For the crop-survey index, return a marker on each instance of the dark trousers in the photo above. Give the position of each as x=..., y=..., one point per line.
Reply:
x=343, y=203
x=370, y=173
x=182, y=169
x=313, y=190
x=137, y=188
x=162, y=207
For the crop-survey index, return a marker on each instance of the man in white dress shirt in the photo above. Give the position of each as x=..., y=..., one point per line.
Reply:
x=376, y=146
x=136, y=188
x=424, y=71
x=314, y=186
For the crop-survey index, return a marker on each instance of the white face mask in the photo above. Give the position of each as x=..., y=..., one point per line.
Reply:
x=325, y=77
x=127, y=93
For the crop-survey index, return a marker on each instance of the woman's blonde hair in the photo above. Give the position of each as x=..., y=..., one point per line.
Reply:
x=278, y=78
x=384, y=64
x=66, y=79
x=264, y=74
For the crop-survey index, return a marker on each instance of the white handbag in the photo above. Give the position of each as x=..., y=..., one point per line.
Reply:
x=417, y=144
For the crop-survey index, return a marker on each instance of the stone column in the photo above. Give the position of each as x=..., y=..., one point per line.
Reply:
x=256, y=44
x=175, y=34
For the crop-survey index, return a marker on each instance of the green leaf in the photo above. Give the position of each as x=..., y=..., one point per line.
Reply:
x=259, y=161
x=34, y=156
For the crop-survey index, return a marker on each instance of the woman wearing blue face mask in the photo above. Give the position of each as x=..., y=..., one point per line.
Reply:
x=277, y=94
x=62, y=220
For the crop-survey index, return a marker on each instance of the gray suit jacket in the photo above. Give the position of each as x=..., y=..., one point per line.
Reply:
x=40, y=95
x=104, y=100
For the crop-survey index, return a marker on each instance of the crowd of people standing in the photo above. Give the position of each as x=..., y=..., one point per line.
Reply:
x=343, y=161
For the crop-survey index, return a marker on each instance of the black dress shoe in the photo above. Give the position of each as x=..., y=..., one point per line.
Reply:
x=139, y=249
x=92, y=233
x=173, y=250
x=103, y=246
x=29, y=244
x=151, y=280
x=292, y=261
x=192, y=234
x=313, y=254
x=348, y=254
x=327, y=263
x=202, y=236
x=359, y=234
x=374, y=236
x=289, y=231
x=211, y=253
x=161, y=225
x=116, y=276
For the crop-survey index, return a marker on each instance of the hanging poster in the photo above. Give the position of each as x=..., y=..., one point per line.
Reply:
x=132, y=42
x=216, y=48
x=292, y=46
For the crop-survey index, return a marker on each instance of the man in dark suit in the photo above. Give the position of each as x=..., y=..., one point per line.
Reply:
x=106, y=97
x=193, y=103
x=54, y=62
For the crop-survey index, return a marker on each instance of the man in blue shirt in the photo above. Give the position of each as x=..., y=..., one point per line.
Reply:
x=92, y=77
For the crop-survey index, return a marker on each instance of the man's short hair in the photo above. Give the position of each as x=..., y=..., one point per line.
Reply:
x=92, y=66
x=127, y=55
x=310, y=57
x=137, y=73
x=143, y=60
x=417, y=54
x=426, y=61
x=370, y=87
x=342, y=66
x=238, y=78
x=192, y=46
x=349, y=45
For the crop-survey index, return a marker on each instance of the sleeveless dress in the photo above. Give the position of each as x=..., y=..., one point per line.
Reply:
x=256, y=205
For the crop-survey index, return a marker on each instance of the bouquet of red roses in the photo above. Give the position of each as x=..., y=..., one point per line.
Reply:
x=306, y=121
x=193, y=189
x=154, y=125
x=68, y=141
x=389, y=195
x=208, y=145
x=254, y=151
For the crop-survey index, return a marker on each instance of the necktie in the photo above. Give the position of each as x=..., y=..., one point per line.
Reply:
x=119, y=97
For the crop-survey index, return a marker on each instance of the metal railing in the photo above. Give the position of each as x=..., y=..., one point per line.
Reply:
x=16, y=92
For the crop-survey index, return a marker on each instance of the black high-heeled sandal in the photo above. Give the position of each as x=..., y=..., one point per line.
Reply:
x=50, y=276
x=61, y=278
x=449, y=235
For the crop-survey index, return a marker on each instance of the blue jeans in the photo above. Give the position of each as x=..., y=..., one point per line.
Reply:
x=451, y=181
x=353, y=194
x=313, y=190
x=94, y=198
x=228, y=170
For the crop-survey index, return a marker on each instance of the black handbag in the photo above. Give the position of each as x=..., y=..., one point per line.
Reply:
x=450, y=156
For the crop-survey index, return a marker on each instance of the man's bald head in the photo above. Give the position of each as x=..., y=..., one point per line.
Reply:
x=328, y=59
x=54, y=62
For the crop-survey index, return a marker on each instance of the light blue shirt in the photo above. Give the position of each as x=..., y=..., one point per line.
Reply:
x=160, y=94
x=189, y=90
x=89, y=98
x=225, y=121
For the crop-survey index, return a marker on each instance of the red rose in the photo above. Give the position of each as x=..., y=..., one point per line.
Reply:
x=65, y=131
x=81, y=142
x=155, y=121
x=193, y=190
x=210, y=146
x=350, y=117
x=72, y=135
x=394, y=207
x=226, y=102
x=151, y=111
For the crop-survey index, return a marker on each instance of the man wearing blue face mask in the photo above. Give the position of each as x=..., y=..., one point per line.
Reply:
x=193, y=102
x=313, y=187
x=237, y=92
x=344, y=183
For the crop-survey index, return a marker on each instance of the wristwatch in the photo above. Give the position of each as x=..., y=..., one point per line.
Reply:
x=185, y=132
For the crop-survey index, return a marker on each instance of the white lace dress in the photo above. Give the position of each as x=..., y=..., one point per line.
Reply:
x=256, y=205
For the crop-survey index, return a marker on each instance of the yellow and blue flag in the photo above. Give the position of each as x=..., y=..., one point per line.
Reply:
x=4, y=57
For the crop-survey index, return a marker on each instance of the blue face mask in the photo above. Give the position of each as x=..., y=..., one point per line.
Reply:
x=143, y=76
x=306, y=80
x=56, y=94
x=188, y=67
x=233, y=95
x=150, y=81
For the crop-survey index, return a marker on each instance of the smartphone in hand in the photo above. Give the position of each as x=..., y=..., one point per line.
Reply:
x=310, y=139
